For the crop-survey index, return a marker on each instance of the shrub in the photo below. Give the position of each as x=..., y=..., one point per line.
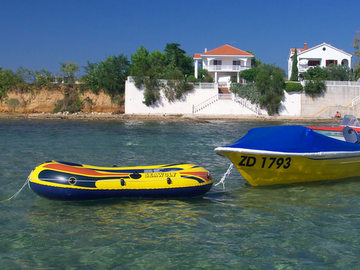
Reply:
x=247, y=91
x=13, y=103
x=7, y=80
x=249, y=74
x=329, y=73
x=204, y=76
x=191, y=79
x=315, y=88
x=267, y=90
x=293, y=87
x=151, y=96
x=71, y=102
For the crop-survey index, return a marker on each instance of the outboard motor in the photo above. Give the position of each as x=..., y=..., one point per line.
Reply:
x=351, y=135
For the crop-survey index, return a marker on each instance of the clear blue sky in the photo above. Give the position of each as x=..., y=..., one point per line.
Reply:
x=40, y=34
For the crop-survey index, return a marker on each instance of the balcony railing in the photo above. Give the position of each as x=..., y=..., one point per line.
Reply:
x=226, y=67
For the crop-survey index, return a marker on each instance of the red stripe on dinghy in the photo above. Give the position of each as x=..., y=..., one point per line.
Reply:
x=203, y=175
x=72, y=169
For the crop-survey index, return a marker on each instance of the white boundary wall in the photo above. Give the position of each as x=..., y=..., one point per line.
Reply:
x=338, y=97
x=207, y=94
x=134, y=98
x=291, y=105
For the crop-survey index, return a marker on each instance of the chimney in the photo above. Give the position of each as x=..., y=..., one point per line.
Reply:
x=305, y=46
x=205, y=50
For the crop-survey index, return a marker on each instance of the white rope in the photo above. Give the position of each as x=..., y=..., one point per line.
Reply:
x=107, y=181
x=18, y=192
x=222, y=181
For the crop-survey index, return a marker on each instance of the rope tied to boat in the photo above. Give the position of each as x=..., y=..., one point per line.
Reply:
x=226, y=174
x=18, y=192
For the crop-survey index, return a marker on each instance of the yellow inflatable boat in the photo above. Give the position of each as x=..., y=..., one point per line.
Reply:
x=71, y=181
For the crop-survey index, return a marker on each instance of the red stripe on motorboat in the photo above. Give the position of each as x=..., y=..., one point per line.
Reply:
x=340, y=128
x=71, y=169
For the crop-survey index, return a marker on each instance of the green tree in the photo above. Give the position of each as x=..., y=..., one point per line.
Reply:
x=69, y=70
x=176, y=57
x=294, y=69
x=44, y=78
x=140, y=66
x=314, y=72
x=148, y=70
x=254, y=62
x=249, y=74
x=109, y=75
x=8, y=80
x=270, y=83
x=25, y=75
x=357, y=54
x=338, y=73
x=267, y=90
x=315, y=81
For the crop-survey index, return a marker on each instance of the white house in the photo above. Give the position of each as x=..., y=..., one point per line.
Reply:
x=223, y=63
x=321, y=55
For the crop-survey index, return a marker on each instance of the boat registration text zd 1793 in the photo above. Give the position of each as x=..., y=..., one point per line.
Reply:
x=266, y=162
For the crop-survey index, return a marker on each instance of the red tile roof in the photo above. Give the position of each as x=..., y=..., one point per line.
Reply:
x=223, y=50
x=299, y=50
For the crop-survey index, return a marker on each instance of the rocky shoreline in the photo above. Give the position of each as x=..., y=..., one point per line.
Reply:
x=162, y=117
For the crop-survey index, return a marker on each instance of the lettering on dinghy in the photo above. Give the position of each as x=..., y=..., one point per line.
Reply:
x=266, y=162
x=160, y=175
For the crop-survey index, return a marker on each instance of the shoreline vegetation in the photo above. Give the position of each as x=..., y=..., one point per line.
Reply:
x=94, y=116
x=102, y=87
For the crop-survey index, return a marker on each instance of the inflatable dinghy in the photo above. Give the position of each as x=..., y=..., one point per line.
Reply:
x=71, y=181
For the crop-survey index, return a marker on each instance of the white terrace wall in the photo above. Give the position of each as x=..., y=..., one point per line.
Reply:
x=338, y=97
x=204, y=96
x=134, y=98
x=291, y=104
x=204, y=99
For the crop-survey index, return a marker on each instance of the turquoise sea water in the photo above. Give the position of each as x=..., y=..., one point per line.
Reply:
x=310, y=226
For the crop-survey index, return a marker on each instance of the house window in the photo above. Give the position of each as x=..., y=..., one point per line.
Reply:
x=331, y=62
x=236, y=64
x=345, y=62
x=217, y=62
x=314, y=63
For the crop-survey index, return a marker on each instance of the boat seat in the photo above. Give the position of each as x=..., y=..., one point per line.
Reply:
x=351, y=135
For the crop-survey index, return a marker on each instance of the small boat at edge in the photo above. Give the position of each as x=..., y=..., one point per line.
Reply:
x=348, y=120
x=291, y=154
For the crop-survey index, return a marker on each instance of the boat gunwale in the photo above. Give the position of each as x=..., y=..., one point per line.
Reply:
x=280, y=153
